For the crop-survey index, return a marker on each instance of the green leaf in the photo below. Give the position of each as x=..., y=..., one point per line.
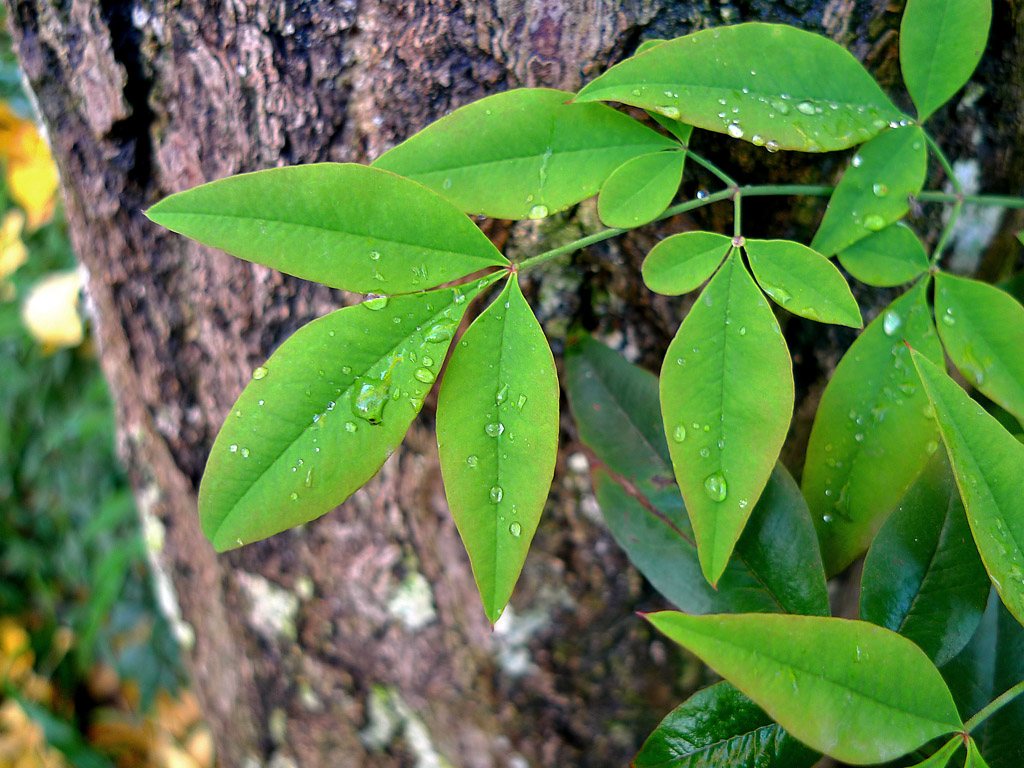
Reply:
x=974, y=758
x=322, y=415
x=987, y=461
x=646, y=45
x=767, y=83
x=941, y=757
x=522, y=154
x=854, y=691
x=873, y=433
x=922, y=576
x=874, y=191
x=640, y=189
x=891, y=256
x=717, y=727
x=680, y=263
x=497, y=432
x=970, y=674
x=982, y=329
x=681, y=131
x=941, y=42
x=347, y=226
x=776, y=565
x=803, y=282
x=724, y=435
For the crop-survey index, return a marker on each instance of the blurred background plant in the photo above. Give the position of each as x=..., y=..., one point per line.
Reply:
x=89, y=670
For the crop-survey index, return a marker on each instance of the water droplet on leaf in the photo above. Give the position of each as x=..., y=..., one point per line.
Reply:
x=715, y=487
x=259, y=373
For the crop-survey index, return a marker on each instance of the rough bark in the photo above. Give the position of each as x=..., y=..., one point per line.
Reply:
x=297, y=645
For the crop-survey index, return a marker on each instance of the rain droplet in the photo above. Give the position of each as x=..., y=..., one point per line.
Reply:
x=856, y=161
x=743, y=331
x=515, y=529
x=826, y=518
x=948, y=318
x=772, y=145
x=233, y=448
x=757, y=140
x=520, y=403
x=309, y=478
x=350, y=426
x=442, y=331
x=679, y=435
x=496, y=494
x=879, y=189
x=494, y=429
x=424, y=375
x=806, y=108
x=472, y=461
x=705, y=452
x=932, y=446
x=672, y=113
x=874, y=222
x=538, y=212
x=259, y=373
x=244, y=452
x=346, y=369
x=781, y=295
x=375, y=255
x=715, y=487
x=734, y=130
x=293, y=496
x=378, y=302
x=502, y=393
x=891, y=322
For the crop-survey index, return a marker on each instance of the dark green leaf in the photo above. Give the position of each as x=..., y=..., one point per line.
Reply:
x=718, y=727
x=874, y=191
x=873, y=433
x=323, y=414
x=724, y=435
x=640, y=189
x=891, y=256
x=982, y=329
x=922, y=576
x=680, y=263
x=803, y=281
x=970, y=674
x=497, y=432
x=849, y=689
x=770, y=84
x=987, y=461
x=522, y=154
x=942, y=756
x=941, y=42
x=347, y=226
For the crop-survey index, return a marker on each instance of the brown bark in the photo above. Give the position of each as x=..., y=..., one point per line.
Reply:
x=294, y=642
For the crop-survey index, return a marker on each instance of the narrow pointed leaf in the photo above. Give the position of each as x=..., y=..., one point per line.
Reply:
x=922, y=576
x=344, y=225
x=640, y=189
x=725, y=435
x=522, y=154
x=982, y=329
x=681, y=131
x=680, y=263
x=987, y=461
x=497, y=432
x=776, y=565
x=322, y=415
x=717, y=727
x=974, y=758
x=891, y=256
x=803, y=281
x=941, y=42
x=873, y=192
x=760, y=82
x=941, y=757
x=852, y=690
x=873, y=433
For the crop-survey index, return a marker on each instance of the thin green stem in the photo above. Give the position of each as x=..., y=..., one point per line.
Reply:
x=944, y=162
x=946, y=232
x=707, y=164
x=957, y=206
x=934, y=196
x=991, y=708
x=737, y=213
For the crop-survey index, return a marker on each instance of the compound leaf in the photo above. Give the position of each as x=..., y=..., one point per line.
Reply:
x=497, y=432
x=640, y=189
x=719, y=726
x=941, y=42
x=874, y=191
x=344, y=225
x=852, y=690
x=770, y=84
x=522, y=154
x=982, y=329
x=724, y=435
x=873, y=433
x=891, y=256
x=803, y=281
x=680, y=263
x=322, y=415
x=922, y=576
x=987, y=461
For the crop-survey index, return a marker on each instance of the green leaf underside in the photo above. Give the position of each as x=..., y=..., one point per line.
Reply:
x=987, y=462
x=724, y=435
x=761, y=82
x=803, y=281
x=941, y=42
x=922, y=576
x=942, y=757
x=497, y=432
x=982, y=329
x=849, y=689
x=873, y=191
x=522, y=154
x=640, y=189
x=321, y=416
x=776, y=565
x=891, y=256
x=717, y=727
x=680, y=263
x=344, y=225
x=873, y=432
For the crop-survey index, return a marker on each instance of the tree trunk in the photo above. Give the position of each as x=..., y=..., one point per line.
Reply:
x=359, y=638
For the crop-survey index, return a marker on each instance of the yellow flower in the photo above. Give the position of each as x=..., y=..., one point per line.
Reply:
x=50, y=311
x=32, y=178
x=13, y=252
